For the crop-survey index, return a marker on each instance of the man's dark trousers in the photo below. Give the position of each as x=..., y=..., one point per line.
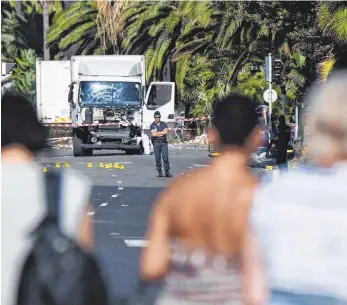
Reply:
x=161, y=151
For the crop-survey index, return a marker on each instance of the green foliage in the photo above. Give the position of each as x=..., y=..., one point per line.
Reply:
x=20, y=32
x=210, y=46
x=332, y=19
x=76, y=26
x=23, y=75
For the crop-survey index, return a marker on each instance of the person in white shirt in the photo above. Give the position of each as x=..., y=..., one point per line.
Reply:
x=300, y=220
x=23, y=202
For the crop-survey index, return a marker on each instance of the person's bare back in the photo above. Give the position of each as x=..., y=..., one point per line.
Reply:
x=209, y=208
x=199, y=231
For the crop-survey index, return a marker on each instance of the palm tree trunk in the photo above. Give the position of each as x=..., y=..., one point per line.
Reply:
x=19, y=8
x=45, y=29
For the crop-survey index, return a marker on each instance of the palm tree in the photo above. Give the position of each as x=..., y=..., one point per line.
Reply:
x=332, y=18
x=76, y=27
x=45, y=16
x=153, y=29
x=108, y=21
x=23, y=75
x=26, y=30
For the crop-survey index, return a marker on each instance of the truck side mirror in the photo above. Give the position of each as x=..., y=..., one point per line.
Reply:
x=171, y=116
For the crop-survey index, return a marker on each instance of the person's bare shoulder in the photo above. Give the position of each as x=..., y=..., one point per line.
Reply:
x=181, y=187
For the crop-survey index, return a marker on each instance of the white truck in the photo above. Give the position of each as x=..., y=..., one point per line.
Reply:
x=109, y=102
x=52, y=90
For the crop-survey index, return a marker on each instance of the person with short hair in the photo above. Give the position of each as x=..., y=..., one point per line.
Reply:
x=300, y=219
x=23, y=202
x=159, y=131
x=198, y=235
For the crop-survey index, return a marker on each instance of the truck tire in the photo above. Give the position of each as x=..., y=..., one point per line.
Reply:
x=88, y=152
x=77, y=146
x=134, y=151
x=139, y=151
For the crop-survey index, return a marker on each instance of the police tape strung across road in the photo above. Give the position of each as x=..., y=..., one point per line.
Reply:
x=71, y=125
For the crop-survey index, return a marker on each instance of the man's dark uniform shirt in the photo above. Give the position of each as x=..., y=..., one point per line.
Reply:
x=159, y=127
x=160, y=147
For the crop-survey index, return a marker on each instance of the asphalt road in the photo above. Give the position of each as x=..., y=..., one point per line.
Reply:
x=122, y=199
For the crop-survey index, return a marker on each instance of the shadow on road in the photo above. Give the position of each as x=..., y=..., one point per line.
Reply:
x=125, y=217
x=100, y=154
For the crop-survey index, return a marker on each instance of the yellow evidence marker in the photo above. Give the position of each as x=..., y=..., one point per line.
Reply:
x=116, y=165
x=45, y=170
x=102, y=165
x=90, y=165
x=269, y=167
x=57, y=165
x=121, y=166
x=67, y=164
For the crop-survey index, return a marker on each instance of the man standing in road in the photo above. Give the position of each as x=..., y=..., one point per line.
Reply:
x=159, y=131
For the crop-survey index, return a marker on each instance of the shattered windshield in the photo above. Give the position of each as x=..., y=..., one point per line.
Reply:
x=118, y=94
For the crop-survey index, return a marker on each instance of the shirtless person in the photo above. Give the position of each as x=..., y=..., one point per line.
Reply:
x=199, y=232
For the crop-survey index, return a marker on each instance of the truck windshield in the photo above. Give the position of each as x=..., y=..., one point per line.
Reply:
x=118, y=94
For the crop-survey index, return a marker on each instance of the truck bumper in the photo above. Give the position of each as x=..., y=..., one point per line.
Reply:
x=111, y=146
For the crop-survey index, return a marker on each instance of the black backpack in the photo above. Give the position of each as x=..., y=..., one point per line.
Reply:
x=57, y=270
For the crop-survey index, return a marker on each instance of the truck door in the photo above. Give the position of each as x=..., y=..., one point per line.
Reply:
x=160, y=97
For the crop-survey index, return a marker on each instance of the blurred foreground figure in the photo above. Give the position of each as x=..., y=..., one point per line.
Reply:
x=199, y=238
x=41, y=265
x=301, y=219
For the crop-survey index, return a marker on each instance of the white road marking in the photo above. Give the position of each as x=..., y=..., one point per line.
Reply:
x=201, y=165
x=114, y=196
x=135, y=243
x=190, y=167
x=124, y=205
x=114, y=234
x=120, y=188
x=104, y=221
x=90, y=213
x=114, y=176
x=119, y=182
x=104, y=204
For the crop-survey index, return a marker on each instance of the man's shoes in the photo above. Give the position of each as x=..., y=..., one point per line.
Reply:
x=160, y=173
x=167, y=174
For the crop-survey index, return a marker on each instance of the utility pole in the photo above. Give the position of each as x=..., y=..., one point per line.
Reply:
x=270, y=88
x=296, y=120
x=269, y=78
x=284, y=96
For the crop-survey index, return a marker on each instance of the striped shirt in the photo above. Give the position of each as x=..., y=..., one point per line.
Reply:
x=195, y=278
x=300, y=222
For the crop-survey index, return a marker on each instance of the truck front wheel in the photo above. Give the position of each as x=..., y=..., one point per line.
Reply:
x=77, y=146
x=88, y=152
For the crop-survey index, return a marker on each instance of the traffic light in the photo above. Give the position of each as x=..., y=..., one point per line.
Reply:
x=278, y=69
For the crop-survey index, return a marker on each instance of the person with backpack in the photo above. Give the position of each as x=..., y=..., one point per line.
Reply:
x=47, y=236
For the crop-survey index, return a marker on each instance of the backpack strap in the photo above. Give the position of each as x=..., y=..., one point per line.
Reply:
x=53, y=184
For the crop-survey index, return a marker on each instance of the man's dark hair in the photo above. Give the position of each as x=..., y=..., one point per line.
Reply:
x=19, y=123
x=235, y=117
x=157, y=113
